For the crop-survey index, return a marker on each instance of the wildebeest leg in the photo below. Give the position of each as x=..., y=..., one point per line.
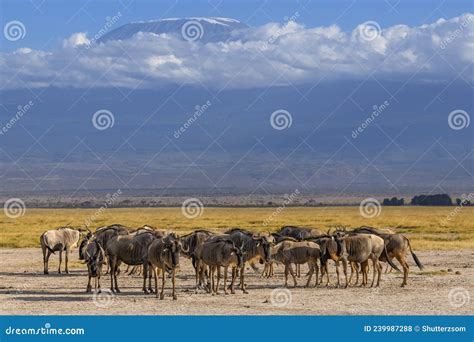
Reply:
x=298, y=270
x=115, y=273
x=89, y=286
x=242, y=279
x=163, y=280
x=157, y=273
x=218, y=279
x=406, y=268
x=293, y=275
x=111, y=272
x=150, y=274
x=46, y=255
x=344, y=269
x=233, y=280
x=212, y=270
x=173, y=280
x=226, y=268
x=98, y=279
x=317, y=275
x=145, y=274
x=327, y=273
x=337, y=272
x=286, y=275
x=66, y=260
x=379, y=269
x=364, y=268
x=60, y=260
x=375, y=266
x=310, y=274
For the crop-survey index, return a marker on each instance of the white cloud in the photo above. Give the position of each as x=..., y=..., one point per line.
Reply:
x=255, y=57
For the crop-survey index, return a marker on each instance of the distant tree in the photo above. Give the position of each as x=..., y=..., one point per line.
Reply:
x=458, y=201
x=393, y=201
x=438, y=199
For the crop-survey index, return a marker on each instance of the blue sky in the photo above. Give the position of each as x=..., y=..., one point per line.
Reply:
x=49, y=22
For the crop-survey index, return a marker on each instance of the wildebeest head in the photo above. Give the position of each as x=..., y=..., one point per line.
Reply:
x=339, y=239
x=93, y=256
x=83, y=245
x=239, y=253
x=173, y=249
x=262, y=243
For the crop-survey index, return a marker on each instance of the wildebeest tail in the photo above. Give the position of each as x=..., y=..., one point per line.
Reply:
x=390, y=262
x=417, y=261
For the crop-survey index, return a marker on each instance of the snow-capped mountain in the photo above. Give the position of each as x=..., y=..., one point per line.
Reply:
x=204, y=29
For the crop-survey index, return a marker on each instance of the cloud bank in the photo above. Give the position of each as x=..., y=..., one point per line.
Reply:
x=269, y=55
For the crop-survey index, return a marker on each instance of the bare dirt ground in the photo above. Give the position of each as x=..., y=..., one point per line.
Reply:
x=444, y=287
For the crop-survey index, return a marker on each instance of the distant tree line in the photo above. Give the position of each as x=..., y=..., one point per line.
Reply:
x=438, y=199
x=393, y=201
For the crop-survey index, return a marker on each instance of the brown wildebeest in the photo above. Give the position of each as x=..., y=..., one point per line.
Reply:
x=290, y=252
x=163, y=255
x=131, y=250
x=94, y=257
x=137, y=269
x=61, y=239
x=359, y=248
x=255, y=247
x=397, y=246
x=220, y=252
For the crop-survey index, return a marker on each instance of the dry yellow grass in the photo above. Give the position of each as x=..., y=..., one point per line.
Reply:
x=427, y=227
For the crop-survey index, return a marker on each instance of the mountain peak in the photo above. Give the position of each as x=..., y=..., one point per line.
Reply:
x=204, y=29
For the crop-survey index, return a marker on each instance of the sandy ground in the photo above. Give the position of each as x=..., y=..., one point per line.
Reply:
x=439, y=290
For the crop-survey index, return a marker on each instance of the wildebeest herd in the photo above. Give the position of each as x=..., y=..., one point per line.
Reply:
x=157, y=253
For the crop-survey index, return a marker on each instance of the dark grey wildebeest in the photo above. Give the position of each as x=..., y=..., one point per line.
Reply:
x=397, y=245
x=216, y=253
x=299, y=233
x=163, y=256
x=290, y=252
x=359, y=248
x=59, y=240
x=131, y=250
x=255, y=248
x=94, y=257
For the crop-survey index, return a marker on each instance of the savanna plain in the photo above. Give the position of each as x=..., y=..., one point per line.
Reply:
x=444, y=246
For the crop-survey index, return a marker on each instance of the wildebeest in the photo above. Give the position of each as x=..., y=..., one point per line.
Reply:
x=217, y=253
x=290, y=252
x=94, y=257
x=359, y=248
x=61, y=239
x=192, y=240
x=299, y=233
x=163, y=256
x=131, y=250
x=255, y=247
x=397, y=246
